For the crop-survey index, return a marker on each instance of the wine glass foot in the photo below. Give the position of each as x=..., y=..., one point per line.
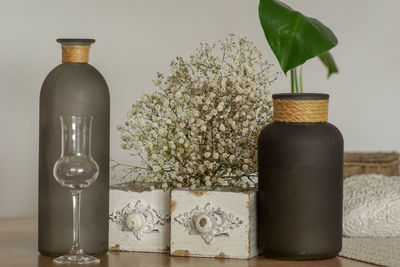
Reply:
x=76, y=259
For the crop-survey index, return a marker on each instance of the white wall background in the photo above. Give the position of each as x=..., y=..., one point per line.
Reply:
x=135, y=39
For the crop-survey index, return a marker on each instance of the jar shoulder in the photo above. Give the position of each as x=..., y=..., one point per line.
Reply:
x=282, y=130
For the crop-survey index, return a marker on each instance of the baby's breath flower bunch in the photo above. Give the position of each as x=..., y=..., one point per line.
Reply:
x=200, y=128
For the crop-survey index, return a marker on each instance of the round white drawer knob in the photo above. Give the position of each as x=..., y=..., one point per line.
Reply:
x=203, y=223
x=134, y=221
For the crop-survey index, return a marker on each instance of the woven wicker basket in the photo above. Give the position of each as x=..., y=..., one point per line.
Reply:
x=385, y=163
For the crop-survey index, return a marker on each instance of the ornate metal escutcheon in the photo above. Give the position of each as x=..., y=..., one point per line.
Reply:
x=139, y=219
x=208, y=222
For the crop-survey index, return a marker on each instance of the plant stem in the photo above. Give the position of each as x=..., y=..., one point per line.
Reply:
x=296, y=85
x=301, y=79
x=292, y=81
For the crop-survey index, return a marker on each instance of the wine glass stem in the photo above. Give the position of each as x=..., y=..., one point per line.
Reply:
x=76, y=205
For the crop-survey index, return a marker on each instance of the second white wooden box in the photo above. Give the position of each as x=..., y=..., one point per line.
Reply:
x=220, y=224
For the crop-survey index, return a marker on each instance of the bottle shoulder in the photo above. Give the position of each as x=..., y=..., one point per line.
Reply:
x=67, y=69
x=80, y=76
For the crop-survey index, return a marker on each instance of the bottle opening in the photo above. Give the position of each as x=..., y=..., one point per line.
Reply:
x=75, y=41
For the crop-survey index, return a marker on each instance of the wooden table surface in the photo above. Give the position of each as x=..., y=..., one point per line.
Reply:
x=18, y=247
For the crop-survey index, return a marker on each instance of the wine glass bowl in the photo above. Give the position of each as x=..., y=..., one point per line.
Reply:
x=76, y=170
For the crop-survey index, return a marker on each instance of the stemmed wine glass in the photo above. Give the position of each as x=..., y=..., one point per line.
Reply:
x=76, y=170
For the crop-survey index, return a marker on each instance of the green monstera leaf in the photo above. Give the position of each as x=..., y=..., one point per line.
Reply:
x=295, y=38
x=329, y=63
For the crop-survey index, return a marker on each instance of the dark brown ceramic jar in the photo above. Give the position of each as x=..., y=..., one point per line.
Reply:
x=300, y=168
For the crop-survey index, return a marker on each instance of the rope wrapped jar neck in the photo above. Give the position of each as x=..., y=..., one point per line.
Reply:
x=75, y=50
x=312, y=108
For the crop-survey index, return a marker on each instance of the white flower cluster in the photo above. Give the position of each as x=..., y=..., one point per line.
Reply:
x=201, y=127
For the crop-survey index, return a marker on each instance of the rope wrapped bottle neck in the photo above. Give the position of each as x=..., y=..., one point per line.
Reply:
x=75, y=53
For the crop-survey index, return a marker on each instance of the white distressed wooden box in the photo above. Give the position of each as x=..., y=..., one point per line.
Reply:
x=139, y=219
x=218, y=224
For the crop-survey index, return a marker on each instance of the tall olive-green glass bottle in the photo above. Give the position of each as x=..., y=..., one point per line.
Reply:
x=73, y=88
